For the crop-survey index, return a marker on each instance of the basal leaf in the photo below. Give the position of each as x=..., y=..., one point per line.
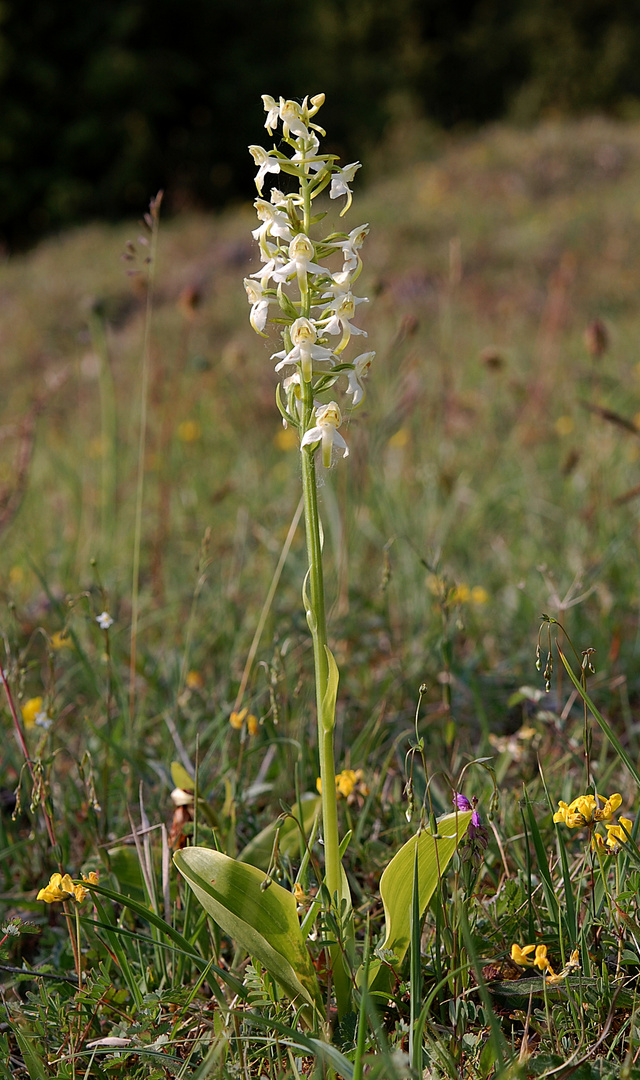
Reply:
x=264, y=922
x=396, y=885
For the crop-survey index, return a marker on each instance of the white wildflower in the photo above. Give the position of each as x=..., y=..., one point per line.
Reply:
x=361, y=367
x=291, y=116
x=272, y=108
x=328, y=420
x=340, y=184
x=351, y=246
x=266, y=163
x=344, y=309
x=301, y=252
x=305, y=351
x=259, y=305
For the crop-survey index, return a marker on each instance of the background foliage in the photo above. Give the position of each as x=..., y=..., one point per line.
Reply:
x=103, y=103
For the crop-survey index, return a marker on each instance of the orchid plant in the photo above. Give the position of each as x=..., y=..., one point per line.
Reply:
x=305, y=285
x=311, y=280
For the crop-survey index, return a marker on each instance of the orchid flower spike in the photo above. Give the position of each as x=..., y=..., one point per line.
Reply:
x=316, y=301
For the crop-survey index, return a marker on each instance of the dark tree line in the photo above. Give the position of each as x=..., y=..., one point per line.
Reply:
x=103, y=102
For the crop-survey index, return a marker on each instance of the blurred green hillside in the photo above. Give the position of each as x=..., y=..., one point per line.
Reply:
x=103, y=103
x=496, y=453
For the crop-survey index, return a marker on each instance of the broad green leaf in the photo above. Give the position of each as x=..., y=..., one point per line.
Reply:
x=396, y=886
x=264, y=922
x=258, y=851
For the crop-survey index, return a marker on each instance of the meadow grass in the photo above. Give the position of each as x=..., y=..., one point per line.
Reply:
x=493, y=476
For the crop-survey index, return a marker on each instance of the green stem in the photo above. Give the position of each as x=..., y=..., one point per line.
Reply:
x=319, y=635
x=318, y=627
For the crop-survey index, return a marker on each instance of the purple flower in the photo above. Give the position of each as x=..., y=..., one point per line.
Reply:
x=477, y=835
x=461, y=802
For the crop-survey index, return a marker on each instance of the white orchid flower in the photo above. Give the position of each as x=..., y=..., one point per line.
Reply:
x=340, y=184
x=305, y=351
x=361, y=367
x=274, y=223
x=272, y=108
x=301, y=252
x=266, y=163
x=351, y=246
x=328, y=420
x=273, y=260
x=344, y=309
x=291, y=116
x=278, y=198
x=259, y=305
x=340, y=283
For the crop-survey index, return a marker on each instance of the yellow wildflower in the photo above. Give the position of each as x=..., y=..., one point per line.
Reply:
x=572, y=964
x=461, y=594
x=79, y=891
x=59, y=640
x=619, y=834
x=346, y=782
x=609, y=808
x=299, y=893
x=541, y=961
x=194, y=680
x=59, y=888
x=584, y=810
x=189, y=431
x=237, y=718
x=479, y=595
x=521, y=956
x=62, y=888
x=31, y=710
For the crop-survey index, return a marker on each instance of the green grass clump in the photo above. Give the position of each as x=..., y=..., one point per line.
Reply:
x=495, y=477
